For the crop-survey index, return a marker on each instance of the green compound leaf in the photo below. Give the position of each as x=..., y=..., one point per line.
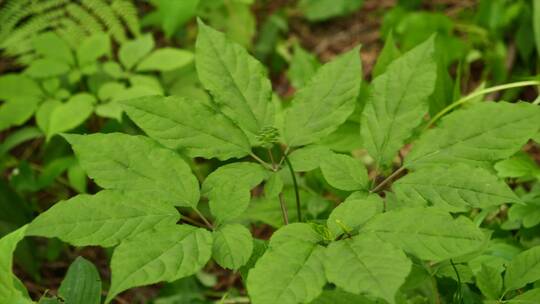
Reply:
x=189, y=125
x=103, y=219
x=50, y=45
x=229, y=188
x=478, y=135
x=398, y=101
x=389, y=53
x=325, y=102
x=237, y=81
x=489, y=281
x=338, y=296
x=456, y=188
x=133, y=51
x=20, y=96
x=46, y=67
x=344, y=172
x=303, y=66
x=365, y=264
x=529, y=297
x=355, y=211
x=291, y=270
x=70, y=114
x=166, y=254
x=9, y=290
x=523, y=269
x=82, y=283
x=232, y=246
x=427, y=233
x=165, y=59
x=308, y=158
x=137, y=165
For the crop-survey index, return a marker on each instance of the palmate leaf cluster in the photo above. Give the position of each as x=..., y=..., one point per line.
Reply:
x=369, y=249
x=22, y=20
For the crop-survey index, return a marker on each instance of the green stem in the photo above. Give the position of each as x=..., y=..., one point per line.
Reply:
x=458, y=296
x=386, y=180
x=296, y=193
x=480, y=93
x=283, y=206
x=205, y=220
x=262, y=162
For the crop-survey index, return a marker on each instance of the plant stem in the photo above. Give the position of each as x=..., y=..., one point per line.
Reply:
x=205, y=220
x=274, y=167
x=262, y=162
x=296, y=193
x=458, y=296
x=284, y=213
x=386, y=180
x=192, y=221
x=479, y=93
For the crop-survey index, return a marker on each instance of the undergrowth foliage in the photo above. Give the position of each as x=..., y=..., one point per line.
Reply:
x=22, y=20
x=372, y=248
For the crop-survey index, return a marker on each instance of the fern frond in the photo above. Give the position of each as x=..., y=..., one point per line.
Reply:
x=71, y=32
x=19, y=40
x=105, y=13
x=84, y=19
x=128, y=13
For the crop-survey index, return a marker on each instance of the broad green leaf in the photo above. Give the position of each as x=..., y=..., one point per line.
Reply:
x=188, y=125
x=70, y=114
x=303, y=66
x=92, y=48
x=102, y=219
x=232, y=246
x=50, y=45
x=308, y=158
x=166, y=254
x=17, y=111
x=15, y=86
x=325, y=102
x=398, y=102
x=523, y=269
x=44, y=112
x=319, y=10
x=133, y=51
x=165, y=59
x=291, y=270
x=455, y=188
x=229, y=188
x=46, y=67
x=365, y=264
x=519, y=165
x=274, y=185
x=355, y=211
x=81, y=284
x=345, y=138
x=344, y=172
x=478, y=135
x=137, y=165
x=529, y=297
x=17, y=137
x=9, y=293
x=389, y=53
x=338, y=296
x=489, y=281
x=236, y=80
x=21, y=96
x=528, y=213
x=172, y=15
x=428, y=233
